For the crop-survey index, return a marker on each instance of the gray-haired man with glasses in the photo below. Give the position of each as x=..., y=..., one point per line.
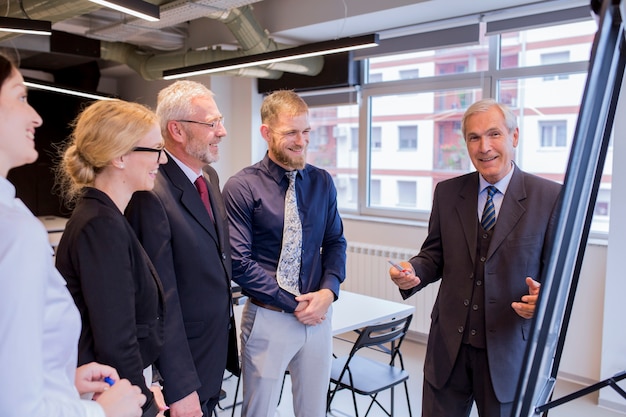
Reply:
x=183, y=226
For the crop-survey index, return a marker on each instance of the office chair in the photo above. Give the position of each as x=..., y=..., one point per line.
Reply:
x=365, y=376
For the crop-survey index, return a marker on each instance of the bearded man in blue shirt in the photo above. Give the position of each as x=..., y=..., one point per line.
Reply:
x=289, y=257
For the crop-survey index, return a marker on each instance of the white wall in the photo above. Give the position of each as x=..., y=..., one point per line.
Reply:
x=589, y=350
x=613, y=329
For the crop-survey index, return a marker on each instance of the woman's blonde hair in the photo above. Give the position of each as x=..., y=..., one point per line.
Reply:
x=103, y=131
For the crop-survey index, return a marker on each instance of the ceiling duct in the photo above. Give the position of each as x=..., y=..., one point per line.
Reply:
x=149, y=64
x=250, y=36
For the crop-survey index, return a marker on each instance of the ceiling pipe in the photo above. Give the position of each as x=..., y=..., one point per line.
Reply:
x=151, y=66
x=250, y=36
x=52, y=10
x=240, y=21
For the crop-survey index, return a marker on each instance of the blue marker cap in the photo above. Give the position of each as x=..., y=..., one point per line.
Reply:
x=109, y=381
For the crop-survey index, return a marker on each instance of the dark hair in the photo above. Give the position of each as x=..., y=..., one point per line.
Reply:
x=6, y=68
x=596, y=6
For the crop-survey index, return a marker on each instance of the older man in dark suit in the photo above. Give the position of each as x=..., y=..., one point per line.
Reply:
x=487, y=243
x=183, y=226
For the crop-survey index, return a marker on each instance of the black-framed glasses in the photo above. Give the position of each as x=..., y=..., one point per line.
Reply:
x=142, y=149
x=213, y=125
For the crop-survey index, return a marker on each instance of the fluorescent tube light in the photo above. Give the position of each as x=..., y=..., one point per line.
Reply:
x=137, y=8
x=281, y=55
x=41, y=86
x=28, y=26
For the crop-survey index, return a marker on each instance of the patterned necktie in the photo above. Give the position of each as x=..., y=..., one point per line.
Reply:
x=489, y=212
x=204, y=195
x=288, y=271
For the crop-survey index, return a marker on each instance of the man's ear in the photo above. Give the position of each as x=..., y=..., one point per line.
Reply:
x=175, y=130
x=265, y=132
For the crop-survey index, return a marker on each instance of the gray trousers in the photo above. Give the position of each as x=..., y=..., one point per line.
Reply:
x=271, y=343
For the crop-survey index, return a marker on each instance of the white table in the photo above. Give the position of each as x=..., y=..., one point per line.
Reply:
x=354, y=311
x=55, y=226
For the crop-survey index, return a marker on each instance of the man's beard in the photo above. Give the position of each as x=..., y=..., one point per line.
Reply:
x=203, y=153
x=284, y=159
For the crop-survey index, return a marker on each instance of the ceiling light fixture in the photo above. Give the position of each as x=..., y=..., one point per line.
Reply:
x=138, y=8
x=281, y=55
x=48, y=87
x=28, y=26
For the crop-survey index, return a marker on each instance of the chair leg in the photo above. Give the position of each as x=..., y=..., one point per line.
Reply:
x=282, y=387
x=408, y=401
x=232, y=414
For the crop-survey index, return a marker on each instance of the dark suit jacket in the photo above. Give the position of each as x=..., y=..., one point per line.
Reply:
x=192, y=257
x=116, y=289
x=519, y=247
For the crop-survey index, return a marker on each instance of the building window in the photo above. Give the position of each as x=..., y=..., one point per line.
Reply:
x=407, y=138
x=409, y=74
x=375, y=77
x=555, y=58
x=376, y=138
x=399, y=182
x=375, y=192
x=553, y=134
x=354, y=138
x=407, y=193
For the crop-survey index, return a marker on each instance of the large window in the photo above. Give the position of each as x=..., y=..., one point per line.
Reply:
x=407, y=126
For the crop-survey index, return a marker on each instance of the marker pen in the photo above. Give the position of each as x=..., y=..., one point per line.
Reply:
x=109, y=381
x=397, y=266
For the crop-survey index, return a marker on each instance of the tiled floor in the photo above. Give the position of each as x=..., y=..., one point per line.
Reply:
x=413, y=355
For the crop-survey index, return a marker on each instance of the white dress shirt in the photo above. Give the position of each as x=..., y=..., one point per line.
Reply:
x=39, y=322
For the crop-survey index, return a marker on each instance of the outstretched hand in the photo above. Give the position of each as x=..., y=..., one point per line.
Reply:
x=526, y=307
x=405, y=279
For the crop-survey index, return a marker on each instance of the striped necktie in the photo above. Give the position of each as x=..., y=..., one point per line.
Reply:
x=489, y=212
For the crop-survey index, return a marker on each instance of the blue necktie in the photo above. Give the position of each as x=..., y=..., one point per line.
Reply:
x=489, y=213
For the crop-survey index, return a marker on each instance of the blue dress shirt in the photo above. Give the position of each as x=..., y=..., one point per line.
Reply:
x=255, y=202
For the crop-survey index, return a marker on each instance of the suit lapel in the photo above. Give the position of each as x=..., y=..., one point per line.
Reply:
x=511, y=211
x=218, y=214
x=189, y=197
x=466, y=210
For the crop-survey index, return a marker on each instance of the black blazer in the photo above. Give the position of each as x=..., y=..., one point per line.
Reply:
x=519, y=248
x=116, y=289
x=193, y=259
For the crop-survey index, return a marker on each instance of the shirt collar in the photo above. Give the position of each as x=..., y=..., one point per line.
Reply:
x=501, y=185
x=189, y=173
x=7, y=191
x=276, y=171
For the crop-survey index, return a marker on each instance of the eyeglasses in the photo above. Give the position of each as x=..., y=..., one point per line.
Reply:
x=142, y=149
x=212, y=125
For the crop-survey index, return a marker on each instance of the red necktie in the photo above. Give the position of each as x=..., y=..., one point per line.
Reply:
x=204, y=195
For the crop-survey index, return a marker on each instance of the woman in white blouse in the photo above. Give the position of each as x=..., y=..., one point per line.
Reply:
x=39, y=322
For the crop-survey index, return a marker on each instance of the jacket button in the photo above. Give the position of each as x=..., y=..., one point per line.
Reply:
x=460, y=329
x=475, y=307
x=465, y=303
x=223, y=256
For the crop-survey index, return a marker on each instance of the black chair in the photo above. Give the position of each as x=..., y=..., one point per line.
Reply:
x=221, y=397
x=366, y=376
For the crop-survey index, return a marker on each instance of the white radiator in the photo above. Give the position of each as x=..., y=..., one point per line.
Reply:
x=367, y=272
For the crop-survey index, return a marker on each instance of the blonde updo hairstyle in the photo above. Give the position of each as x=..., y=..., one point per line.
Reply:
x=104, y=130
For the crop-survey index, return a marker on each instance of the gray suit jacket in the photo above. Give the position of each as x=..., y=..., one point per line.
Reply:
x=519, y=248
